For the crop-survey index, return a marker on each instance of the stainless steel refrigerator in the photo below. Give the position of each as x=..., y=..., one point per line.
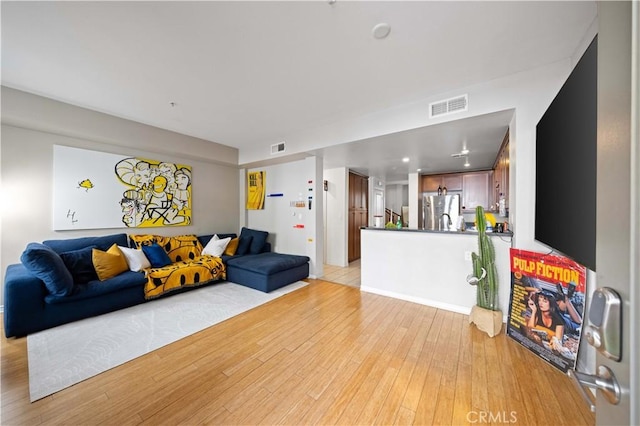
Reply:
x=440, y=212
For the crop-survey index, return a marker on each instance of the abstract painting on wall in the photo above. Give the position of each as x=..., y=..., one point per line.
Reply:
x=93, y=189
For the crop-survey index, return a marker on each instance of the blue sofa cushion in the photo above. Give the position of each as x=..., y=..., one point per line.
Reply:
x=244, y=244
x=267, y=263
x=80, y=264
x=258, y=239
x=48, y=266
x=103, y=243
x=96, y=288
x=156, y=255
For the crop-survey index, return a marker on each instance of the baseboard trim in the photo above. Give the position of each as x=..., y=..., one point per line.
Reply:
x=422, y=301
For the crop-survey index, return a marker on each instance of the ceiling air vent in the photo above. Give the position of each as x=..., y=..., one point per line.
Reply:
x=448, y=106
x=277, y=148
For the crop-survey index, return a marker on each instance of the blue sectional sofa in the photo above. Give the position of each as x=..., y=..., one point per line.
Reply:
x=35, y=301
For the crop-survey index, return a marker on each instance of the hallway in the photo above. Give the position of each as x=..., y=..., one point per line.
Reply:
x=348, y=275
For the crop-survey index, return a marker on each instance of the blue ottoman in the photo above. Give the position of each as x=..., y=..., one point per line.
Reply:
x=267, y=271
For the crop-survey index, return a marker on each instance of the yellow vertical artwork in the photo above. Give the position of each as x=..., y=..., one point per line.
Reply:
x=255, y=190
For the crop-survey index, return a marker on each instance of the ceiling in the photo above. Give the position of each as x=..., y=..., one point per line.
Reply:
x=252, y=74
x=428, y=148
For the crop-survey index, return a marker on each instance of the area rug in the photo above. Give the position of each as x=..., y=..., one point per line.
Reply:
x=68, y=354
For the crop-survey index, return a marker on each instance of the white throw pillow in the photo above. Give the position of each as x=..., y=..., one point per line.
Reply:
x=216, y=246
x=136, y=259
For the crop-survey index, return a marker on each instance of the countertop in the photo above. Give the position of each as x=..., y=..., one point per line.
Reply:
x=467, y=232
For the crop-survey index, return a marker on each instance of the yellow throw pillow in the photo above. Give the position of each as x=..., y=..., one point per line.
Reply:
x=232, y=247
x=109, y=263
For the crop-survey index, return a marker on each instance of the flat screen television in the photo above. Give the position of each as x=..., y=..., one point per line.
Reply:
x=566, y=154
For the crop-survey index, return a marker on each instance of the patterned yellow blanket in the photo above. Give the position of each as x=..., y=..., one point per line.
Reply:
x=189, y=273
x=189, y=268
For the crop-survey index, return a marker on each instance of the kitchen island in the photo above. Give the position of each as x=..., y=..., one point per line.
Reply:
x=429, y=267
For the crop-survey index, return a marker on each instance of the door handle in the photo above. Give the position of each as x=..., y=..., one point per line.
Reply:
x=604, y=381
x=605, y=315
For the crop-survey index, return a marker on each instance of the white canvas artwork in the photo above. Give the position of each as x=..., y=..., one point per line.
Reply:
x=93, y=189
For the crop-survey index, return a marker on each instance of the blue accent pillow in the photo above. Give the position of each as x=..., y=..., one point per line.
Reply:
x=80, y=264
x=156, y=255
x=258, y=239
x=243, y=245
x=48, y=266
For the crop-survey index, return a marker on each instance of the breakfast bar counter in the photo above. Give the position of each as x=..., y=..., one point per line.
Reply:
x=429, y=267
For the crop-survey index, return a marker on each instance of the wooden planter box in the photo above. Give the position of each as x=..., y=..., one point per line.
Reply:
x=486, y=320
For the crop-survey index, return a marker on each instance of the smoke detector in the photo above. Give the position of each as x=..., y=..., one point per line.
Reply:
x=381, y=31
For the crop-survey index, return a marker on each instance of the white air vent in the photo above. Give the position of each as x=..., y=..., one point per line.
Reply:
x=277, y=148
x=448, y=106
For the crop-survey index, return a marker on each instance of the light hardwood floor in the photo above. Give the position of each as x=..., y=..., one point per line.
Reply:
x=324, y=354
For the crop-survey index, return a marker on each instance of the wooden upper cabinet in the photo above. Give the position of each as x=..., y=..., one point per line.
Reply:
x=500, y=182
x=358, y=192
x=475, y=190
x=364, y=194
x=476, y=187
x=431, y=183
x=452, y=181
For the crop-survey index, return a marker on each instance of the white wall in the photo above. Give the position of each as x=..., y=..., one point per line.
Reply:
x=376, y=187
x=396, y=196
x=31, y=125
x=293, y=180
x=335, y=216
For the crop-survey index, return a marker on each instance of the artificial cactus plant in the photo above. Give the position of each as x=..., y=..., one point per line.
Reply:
x=485, y=274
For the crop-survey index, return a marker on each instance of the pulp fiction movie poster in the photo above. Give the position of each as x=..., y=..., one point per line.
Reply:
x=547, y=305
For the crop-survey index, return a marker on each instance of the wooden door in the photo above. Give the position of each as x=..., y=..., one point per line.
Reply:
x=358, y=213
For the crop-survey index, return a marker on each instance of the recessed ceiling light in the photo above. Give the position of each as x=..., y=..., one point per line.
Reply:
x=381, y=30
x=464, y=151
x=405, y=160
x=418, y=170
x=466, y=163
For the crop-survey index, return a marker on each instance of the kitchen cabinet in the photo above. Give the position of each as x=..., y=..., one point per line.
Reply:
x=475, y=190
x=452, y=181
x=475, y=187
x=500, y=185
